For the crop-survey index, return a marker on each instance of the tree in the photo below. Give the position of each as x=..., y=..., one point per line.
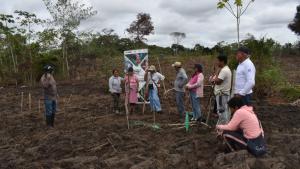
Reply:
x=237, y=12
x=141, y=27
x=28, y=20
x=177, y=37
x=67, y=16
x=7, y=32
x=295, y=24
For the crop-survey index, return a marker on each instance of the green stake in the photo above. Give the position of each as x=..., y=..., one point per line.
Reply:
x=187, y=122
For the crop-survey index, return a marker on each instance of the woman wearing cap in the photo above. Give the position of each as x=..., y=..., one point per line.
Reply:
x=195, y=87
x=131, y=88
x=244, y=130
x=153, y=79
x=50, y=94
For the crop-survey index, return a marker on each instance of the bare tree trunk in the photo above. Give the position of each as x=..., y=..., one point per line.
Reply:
x=11, y=52
x=30, y=54
x=67, y=63
x=13, y=58
x=238, y=25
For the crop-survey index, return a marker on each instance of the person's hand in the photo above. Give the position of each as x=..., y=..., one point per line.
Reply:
x=187, y=87
x=219, y=132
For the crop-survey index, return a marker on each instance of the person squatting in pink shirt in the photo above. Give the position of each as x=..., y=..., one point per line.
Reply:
x=244, y=131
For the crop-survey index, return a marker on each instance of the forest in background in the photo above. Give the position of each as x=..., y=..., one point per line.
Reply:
x=25, y=50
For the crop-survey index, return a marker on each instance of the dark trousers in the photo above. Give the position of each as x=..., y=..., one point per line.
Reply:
x=116, y=101
x=235, y=139
x=50, y=107
x=247, y=99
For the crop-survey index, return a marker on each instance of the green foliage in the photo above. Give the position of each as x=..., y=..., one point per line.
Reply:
x=295, y=24
x=291, y=92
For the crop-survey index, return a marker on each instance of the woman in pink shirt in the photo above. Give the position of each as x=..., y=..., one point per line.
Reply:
x=131, y=88
x=195, y=87
x=244, y=130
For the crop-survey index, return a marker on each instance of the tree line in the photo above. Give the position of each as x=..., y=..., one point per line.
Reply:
x=24, y=49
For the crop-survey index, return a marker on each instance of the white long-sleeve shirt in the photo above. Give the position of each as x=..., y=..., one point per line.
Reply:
x=115, y=84
x=245, y=78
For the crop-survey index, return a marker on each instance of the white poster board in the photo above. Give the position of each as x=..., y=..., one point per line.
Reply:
x=138, y=60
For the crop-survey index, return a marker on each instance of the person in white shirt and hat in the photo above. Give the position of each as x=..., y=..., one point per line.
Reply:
x=245, y=76
x=153, y=77
x=179, y=84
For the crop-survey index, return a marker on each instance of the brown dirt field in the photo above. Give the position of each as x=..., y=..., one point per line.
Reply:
x=88, y=135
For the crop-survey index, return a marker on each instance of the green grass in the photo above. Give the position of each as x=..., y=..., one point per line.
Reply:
x=291, y=92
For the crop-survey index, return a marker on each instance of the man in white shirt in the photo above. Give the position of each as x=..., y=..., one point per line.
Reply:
x=245, y=76
x=222, y=89
x=154, y=79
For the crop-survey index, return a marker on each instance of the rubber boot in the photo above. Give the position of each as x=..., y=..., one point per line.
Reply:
x=52, y=120
x=48, y=120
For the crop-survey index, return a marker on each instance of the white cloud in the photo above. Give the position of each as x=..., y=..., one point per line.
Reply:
x=199, y=19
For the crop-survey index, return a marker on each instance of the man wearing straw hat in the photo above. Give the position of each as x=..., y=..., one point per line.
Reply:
x=153, y=78
x=180, y=82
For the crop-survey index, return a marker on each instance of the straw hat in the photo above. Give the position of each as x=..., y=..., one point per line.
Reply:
x=177, y=64
x=152, y=68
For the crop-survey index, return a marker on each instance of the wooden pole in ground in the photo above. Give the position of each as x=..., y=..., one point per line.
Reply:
x=145, y=94
x=127, y=95
x=154, y=120
x=22, y=99
x=164, y=86
x=39, y=105
x=29, y=101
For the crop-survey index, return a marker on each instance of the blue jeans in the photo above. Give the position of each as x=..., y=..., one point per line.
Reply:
x=247, y=99
x=154, y=100
x=222, y=109
x=195, y=100
x=180, y=102
x=50, y=107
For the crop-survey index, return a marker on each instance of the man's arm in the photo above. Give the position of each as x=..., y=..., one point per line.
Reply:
x=233, y=124
x=198, y=83
x=110, y=84
x=183, y=79
x=250, y=80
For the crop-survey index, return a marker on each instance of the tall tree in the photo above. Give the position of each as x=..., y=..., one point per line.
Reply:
x=295, y=24
x=7, y=32
x=67, y=16
x=28, y=20
x=141, y=27
x=177, y=37
x=237, y=9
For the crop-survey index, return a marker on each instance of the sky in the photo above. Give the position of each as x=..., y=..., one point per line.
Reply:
x=200, y=20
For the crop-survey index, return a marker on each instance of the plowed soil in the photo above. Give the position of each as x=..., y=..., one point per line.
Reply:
x=88, y=135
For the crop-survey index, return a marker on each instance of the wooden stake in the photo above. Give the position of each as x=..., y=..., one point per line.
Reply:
x=164, y=86
x=145, y=92
x=153, y=117
x=29, y=101
x=112, y=145
x=39, y=105
x=22, y=99
x=127, y=95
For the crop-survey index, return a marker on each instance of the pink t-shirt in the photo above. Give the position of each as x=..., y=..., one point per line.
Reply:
x=196, y=84
x=246, y=120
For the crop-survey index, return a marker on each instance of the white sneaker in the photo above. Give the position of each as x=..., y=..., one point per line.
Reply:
x=117, y=112
x=193, y=119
